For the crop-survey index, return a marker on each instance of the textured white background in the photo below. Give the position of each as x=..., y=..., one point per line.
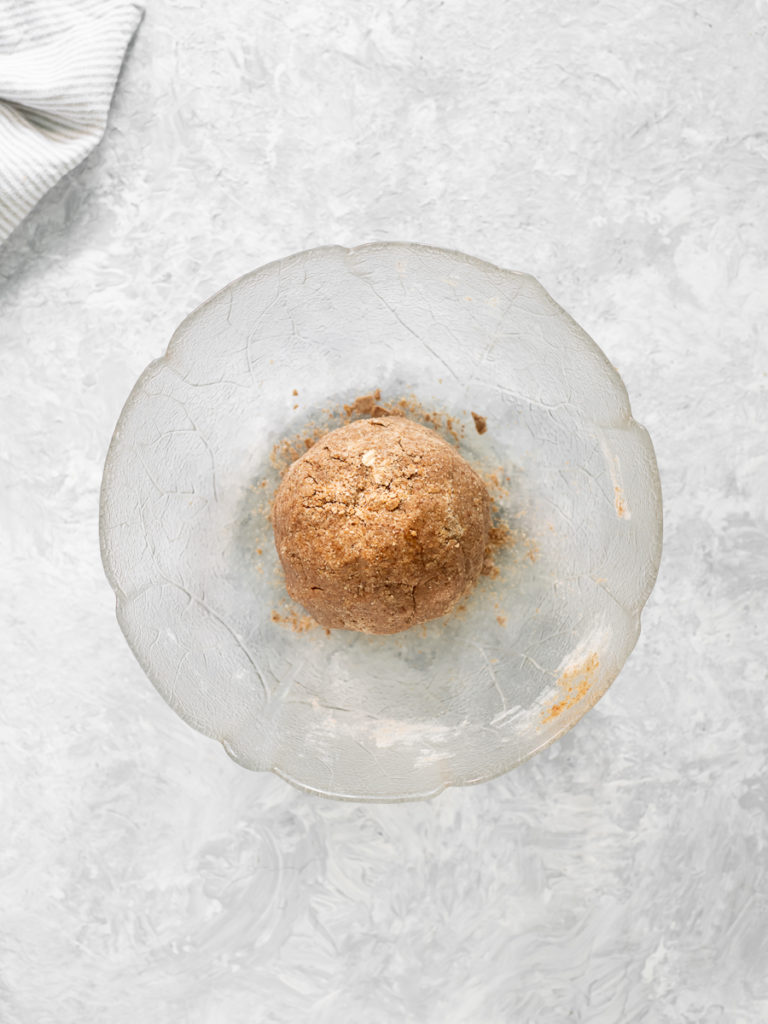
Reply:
x=619, y=152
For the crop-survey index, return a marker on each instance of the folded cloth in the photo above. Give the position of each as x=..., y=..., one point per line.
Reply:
x=59, y=62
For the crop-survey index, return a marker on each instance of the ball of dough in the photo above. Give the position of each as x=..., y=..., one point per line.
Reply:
x=380, y=525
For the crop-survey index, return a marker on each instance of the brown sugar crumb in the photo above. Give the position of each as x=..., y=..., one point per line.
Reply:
x=574, y=684
x=499, y=536
x=501, y=619
x=437, y=420
x=287, y=451
x=368, y=405
x=294, y=392
x=481, y=424
x=527, y=547
x=293, y=621
x=497, y=483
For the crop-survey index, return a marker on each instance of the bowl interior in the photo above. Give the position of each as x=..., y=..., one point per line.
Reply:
x=187, y=543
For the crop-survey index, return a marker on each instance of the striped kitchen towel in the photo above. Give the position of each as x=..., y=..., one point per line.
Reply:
x=59, y=61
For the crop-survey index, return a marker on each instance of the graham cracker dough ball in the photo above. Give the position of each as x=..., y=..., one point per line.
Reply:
x=380, y=525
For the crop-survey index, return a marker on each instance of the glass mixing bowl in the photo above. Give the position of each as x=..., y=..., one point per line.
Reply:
x=187, y=545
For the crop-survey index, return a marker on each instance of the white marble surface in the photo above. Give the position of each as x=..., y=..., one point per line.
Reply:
x=620, y=156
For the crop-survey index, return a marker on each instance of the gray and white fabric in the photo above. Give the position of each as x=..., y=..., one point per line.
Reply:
x=59, y=62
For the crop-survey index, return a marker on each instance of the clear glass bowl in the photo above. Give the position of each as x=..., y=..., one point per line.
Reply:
x=187, y=545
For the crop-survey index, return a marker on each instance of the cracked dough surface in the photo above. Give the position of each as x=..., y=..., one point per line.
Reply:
x=380, y=525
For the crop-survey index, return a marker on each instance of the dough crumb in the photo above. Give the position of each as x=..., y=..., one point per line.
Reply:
x=481, y=424
x=297, y=623
x=368, y=405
